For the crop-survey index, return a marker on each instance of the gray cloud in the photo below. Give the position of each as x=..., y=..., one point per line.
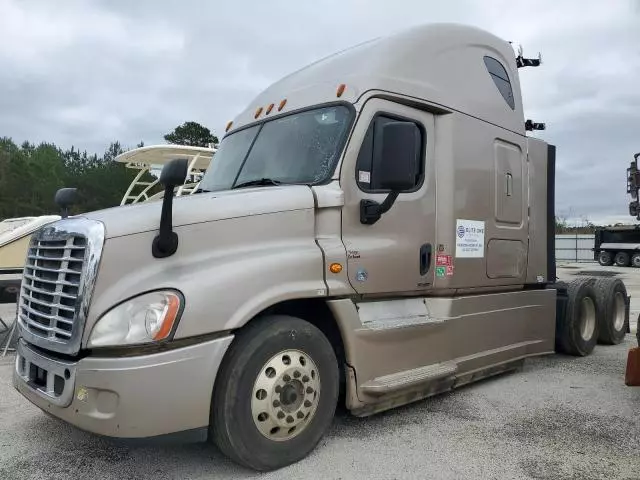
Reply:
x=87, y=73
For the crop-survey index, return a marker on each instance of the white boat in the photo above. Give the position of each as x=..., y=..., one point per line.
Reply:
x=152, y=158
x=15, y=233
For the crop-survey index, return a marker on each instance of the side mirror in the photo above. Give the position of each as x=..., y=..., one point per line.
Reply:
x=173, y=174
x=396, y=158
x=64, y=198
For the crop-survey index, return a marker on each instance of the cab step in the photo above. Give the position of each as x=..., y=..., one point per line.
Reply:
x=409, y=378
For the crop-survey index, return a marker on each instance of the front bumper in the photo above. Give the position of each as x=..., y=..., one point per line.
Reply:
x=130, y=397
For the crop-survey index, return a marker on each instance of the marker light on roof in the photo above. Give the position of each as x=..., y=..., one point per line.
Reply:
x=340, y=90
x=269, y=108
x=282, y=104
x=258, y=112
x=229, y=125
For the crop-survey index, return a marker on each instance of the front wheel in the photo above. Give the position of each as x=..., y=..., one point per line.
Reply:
x=276, y=393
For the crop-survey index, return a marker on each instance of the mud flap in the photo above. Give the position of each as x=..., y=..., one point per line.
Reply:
x=632, y=375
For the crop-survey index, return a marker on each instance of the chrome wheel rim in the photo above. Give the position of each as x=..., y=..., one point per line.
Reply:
x=619, y=309
x=587, y=318
x=285, y=395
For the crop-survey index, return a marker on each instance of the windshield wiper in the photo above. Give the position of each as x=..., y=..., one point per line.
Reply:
x=257, y=182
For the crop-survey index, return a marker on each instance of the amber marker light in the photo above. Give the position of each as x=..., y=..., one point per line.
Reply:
x=269, y=108
x=340, y=90
x=335, y=268
x=282, y=104
x=258, y=112
x=173, y=305
x=229, y=125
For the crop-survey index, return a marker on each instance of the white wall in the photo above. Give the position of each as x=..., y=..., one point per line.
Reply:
x=574, y=248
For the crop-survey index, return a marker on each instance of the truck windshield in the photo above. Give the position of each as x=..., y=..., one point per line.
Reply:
x=300, y=148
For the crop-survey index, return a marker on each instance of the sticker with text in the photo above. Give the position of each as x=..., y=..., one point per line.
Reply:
x=364, y=176
x=445, y=260
x=469, y=238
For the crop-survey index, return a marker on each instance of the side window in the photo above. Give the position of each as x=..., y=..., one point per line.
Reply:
x=367, y=163
x=501, y=79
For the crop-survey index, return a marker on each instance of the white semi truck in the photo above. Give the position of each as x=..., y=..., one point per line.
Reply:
x=376, y=228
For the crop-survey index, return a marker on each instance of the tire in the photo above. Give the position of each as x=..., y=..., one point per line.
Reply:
x=635, y=260
x=611, y=307
x=605, y=259
x=578, y=329
x=254, y=387
x=622, y=259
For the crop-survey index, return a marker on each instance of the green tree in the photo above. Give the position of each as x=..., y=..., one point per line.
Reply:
x=31, y=174
x=191, y=133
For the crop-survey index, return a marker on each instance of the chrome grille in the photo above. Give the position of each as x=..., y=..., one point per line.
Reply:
x=59, y=273
x=51, y=286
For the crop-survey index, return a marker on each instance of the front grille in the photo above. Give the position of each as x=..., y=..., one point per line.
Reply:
x=57, y=282
x=51, y=286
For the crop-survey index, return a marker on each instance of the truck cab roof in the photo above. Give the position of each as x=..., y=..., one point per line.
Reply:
x=452, y=67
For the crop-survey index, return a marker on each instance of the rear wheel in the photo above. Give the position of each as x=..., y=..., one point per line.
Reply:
x=635, y=260
x=276, y=393
x=578, y=330
x=605, y=259
x=611, y=303
x=622, y=259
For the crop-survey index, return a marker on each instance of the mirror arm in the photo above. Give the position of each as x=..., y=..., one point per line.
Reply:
x=165, y=243
x=371, y=211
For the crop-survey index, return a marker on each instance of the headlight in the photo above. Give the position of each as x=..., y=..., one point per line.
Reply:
x=144, y=319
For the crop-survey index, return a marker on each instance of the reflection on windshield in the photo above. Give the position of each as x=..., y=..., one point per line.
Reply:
x=299, y=148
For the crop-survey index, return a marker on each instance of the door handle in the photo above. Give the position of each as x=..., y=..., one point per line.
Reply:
x=425, y=258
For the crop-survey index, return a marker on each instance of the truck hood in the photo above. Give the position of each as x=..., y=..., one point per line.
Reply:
x=204, y=207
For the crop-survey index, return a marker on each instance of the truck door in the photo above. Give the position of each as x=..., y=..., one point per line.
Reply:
x=396, y=255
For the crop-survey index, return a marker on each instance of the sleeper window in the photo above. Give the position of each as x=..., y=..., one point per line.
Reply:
x=501, y=79
x=366, y=164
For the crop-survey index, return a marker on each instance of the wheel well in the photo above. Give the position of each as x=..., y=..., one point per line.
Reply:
x=317, y=312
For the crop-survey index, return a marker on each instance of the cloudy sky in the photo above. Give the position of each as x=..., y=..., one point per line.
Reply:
x=86, y=72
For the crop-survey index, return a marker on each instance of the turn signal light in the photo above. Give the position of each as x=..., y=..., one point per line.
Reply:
x=335, y=268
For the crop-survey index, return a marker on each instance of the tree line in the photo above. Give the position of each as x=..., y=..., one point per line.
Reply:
x=31, y=174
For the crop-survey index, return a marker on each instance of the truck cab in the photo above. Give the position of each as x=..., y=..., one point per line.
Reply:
x=375, y=229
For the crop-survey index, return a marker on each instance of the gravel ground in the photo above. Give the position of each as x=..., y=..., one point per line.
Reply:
x=560, y=418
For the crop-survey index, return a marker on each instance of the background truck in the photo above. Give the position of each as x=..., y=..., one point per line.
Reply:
x=620, y=245
x=376, y=228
